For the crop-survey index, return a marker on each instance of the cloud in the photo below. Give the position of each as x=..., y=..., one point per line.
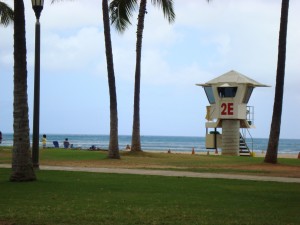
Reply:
x=74, y=53
x=71, y=15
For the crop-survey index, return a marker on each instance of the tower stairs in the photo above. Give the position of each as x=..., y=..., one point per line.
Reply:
x=244, y=148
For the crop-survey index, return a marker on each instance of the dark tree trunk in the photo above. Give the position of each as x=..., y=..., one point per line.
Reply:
x=136, y=139
x=22, y=169
x=272, y=151
x=113, y=150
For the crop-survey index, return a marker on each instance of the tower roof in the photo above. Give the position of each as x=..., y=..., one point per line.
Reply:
x=233, y=77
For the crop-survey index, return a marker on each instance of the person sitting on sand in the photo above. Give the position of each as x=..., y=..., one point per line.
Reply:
x=127, y=147
x=66, y=143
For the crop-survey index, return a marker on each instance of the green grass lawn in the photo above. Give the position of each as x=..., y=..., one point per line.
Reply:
x=60, y=198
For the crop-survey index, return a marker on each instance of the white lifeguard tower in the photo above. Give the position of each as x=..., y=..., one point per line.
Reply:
x=228, y=96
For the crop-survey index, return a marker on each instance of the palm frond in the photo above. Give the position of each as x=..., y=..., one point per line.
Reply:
x=6, y=14
x=121, y=12
x=167, y=7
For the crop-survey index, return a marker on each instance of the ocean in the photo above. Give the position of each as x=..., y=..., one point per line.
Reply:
x=157, y=143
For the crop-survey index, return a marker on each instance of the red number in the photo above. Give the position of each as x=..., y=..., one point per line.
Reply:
x=224, y=107
x=227, y=109
x=230, y=108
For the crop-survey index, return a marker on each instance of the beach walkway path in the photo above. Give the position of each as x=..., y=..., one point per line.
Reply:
x=168, y=173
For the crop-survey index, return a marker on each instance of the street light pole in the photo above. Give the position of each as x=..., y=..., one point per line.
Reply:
x=37, y=6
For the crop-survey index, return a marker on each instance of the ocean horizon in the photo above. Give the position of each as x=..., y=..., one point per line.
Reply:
x=156, y=143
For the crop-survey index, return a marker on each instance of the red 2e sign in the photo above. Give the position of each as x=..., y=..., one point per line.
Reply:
x=227, y=109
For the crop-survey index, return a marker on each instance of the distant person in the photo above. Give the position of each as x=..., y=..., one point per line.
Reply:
x=0, y=137
x=66, y=143
x=127, y=147
x=44, y=140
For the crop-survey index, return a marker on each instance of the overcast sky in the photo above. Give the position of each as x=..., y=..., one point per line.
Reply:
x=206, y=41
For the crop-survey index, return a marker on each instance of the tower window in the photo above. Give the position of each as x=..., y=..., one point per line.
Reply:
x=210, y=94
x=248, y=94
x=227, y=92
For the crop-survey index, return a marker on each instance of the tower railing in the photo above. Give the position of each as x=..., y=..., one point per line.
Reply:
x=250, y=115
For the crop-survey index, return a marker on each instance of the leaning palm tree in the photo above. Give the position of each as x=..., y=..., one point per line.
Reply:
x=113, y=148
x=272, y=151
x=22, y=168
x=6, y=14
x=121, y=11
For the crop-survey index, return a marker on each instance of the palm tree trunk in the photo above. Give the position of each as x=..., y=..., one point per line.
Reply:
x=22, y=169
x=113, y=150
x=136, y=139
x=272, y=151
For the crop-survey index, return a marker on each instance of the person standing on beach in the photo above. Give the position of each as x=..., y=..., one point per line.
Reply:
x=0, y=137
x=44, y=140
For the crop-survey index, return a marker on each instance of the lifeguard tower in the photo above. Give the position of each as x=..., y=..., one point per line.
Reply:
x=228, y=96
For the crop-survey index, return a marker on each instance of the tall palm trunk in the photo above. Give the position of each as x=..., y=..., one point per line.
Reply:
x=136, y=137
x=113, y=150
x=22, y=169
x=272, y=151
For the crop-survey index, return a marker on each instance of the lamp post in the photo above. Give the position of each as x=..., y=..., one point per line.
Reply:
x=37, y=6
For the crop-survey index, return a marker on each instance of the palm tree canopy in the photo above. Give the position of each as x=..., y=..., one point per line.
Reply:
x=6, y=14
x=167, y=7
x=121, y=11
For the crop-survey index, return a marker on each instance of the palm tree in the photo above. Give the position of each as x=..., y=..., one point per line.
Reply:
x=22, y=168
x=271, y=155
x=6, y=14
x=121, y=10
x=113, y=149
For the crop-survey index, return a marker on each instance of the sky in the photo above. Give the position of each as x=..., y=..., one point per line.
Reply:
x=205, y=41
